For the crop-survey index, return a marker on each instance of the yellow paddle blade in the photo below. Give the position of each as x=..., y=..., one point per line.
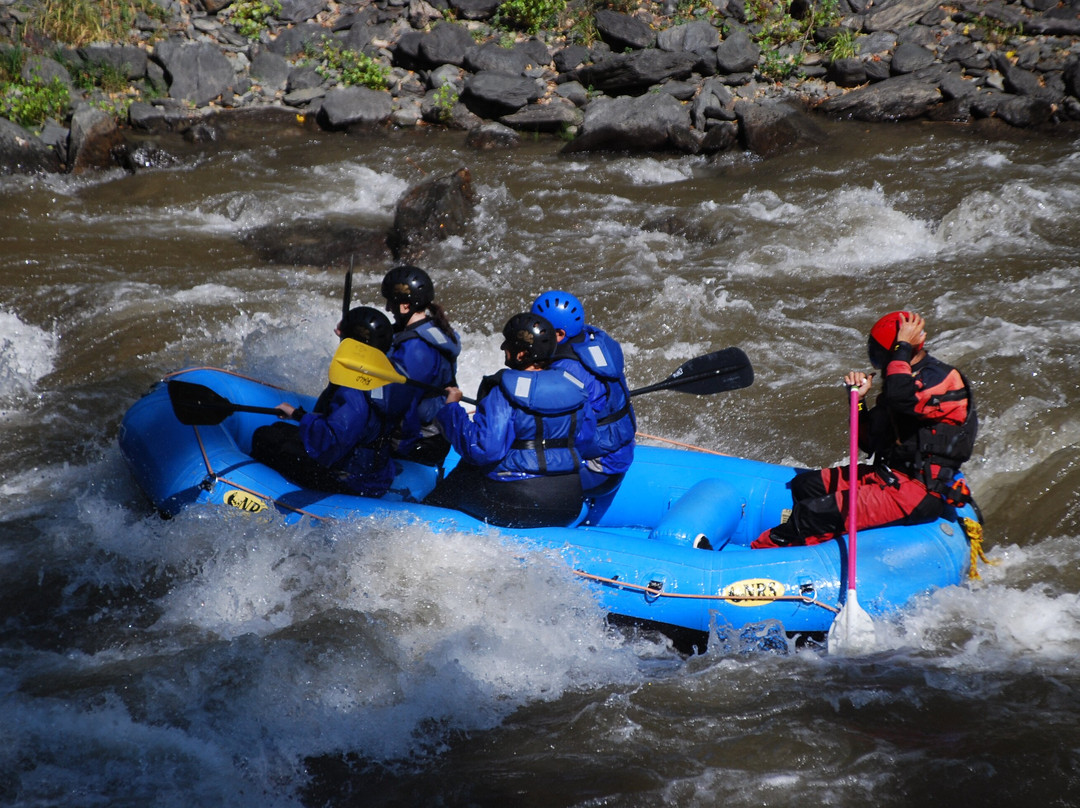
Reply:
x=362, y=367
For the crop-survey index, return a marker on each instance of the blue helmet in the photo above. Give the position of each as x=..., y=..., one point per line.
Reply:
x=562, y=310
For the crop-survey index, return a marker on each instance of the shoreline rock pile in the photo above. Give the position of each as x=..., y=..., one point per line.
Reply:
x=648, y=82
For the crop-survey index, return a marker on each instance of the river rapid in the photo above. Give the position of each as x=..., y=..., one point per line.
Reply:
x=224, y=659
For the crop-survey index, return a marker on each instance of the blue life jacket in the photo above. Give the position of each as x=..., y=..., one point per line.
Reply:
x=350, y=433
x=527, y=424
x=424, y=353
x=602, y=357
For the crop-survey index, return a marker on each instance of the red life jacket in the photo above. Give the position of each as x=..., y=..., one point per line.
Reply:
x=939, y=434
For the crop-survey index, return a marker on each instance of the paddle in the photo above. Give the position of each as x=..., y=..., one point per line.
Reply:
x=198, y=405
x=362, y=367
x=717, y=372
x=852, y=631
x=346, y=295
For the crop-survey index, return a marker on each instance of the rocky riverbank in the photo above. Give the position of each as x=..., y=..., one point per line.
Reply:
x=659, y=77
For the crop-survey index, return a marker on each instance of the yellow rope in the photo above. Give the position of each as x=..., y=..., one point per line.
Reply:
x=974, y=531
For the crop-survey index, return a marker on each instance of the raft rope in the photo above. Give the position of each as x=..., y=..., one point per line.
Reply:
x=213, y=475
x=972, y=528
x=658, y=593
x=680, y=443
x=974, y=532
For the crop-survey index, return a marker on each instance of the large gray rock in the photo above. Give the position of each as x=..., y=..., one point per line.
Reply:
x=433, y=109
x=651, y=122
x=1016, y=110
x=570, y=57
x=737, y=53
x=554, y=116
x=491, y=94
x=43, y=69
x=355, y=106
x=909, y=57
x=489, y=136
x=695, y=37
x=197, y=72
x=475, y=9
x=269, y=69
x=897, y=15
x=292, y=41
x=954, y=86
x=303, y=77
x=153, y=118
x=1026, y=82
x=768, y=128
x=95, y=141
x=492, y=56
x=300, y=10
x=445, y=44
x=317, y=242
x=125, y=59
x=433, y=210
x=632, y=73
x=536, y=51
x=1072, y=77
x=714, y=102
x=849, y=72
x=23, y=153
x=890, y=100
x=622, y=31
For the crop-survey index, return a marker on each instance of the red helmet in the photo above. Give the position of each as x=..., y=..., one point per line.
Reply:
x=883, y=337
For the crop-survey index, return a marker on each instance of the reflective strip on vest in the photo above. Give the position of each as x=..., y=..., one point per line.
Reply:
x=522, y=386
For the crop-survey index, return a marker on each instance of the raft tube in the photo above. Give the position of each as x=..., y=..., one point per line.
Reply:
x=671, y=548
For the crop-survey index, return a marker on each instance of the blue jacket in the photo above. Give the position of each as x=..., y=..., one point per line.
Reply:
x=424, y=353
x=521, y=409
x=595, y=355
x=348, y=433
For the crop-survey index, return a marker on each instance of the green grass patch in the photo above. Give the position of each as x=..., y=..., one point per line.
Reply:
x=30, y=105
x=529, y=15
x=348, y=66
x=249, y=17
x=80, y=22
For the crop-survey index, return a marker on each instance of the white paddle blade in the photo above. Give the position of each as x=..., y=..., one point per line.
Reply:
x=852, y=632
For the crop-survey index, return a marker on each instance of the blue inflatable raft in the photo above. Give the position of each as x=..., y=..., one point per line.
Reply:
x=642, y=552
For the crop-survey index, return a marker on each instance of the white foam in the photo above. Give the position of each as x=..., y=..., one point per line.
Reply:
x=1010, y=621
x=27, y=354
x=447, y=628
x=651, y=171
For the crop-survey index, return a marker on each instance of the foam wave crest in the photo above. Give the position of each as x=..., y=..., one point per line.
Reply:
x=27, y=354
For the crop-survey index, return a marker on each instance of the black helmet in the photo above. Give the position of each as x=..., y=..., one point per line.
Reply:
x=369, y=326
x=407, y=284
x=530, y=333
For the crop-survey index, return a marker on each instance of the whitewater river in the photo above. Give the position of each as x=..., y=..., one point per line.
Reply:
x=222, y=659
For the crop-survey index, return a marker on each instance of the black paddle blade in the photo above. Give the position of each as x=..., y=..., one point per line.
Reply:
x=198, y=405
x=728, y=369
x=346, y=295
x=717, y=372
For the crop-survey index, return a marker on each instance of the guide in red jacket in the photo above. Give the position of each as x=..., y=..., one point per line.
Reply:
x=919, y=431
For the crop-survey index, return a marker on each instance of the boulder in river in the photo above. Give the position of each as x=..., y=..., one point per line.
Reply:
x=651, y=122
x=772, y=127
x=432, y=210
x=23, y=153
